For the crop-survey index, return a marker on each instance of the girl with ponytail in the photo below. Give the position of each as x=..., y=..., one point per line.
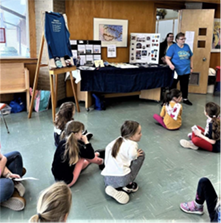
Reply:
x=54, y=204
x=123, y=161
x=208, y=138
x=170, y=115
x=73, y=154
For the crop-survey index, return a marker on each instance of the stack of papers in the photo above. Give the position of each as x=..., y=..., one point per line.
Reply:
x=86, y=68
x=123, y=65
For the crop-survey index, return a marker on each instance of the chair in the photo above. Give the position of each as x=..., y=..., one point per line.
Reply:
x=15, y=79
x=2, y=105
x=218, y=77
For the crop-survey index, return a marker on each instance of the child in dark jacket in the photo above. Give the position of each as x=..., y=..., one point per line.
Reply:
x=73, y=154
x=64, y=115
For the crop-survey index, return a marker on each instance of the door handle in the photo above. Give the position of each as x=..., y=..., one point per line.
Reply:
x=204, y=59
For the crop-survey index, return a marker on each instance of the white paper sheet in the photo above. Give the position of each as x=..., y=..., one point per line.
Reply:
x=190, y=39
x=81, y=49
x=74, y=53
x=89, y=58
x=97, y=48
x=73, y=42
x=82, y=60
x=111, y=51
x=89, y=49
x=97, y=57
x=25, y=178
x=76, y=74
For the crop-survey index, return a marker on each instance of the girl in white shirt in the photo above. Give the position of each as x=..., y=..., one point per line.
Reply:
x=123, y=161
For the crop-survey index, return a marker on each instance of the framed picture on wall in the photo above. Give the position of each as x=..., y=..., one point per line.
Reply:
x=111, y=31
x=216, y=36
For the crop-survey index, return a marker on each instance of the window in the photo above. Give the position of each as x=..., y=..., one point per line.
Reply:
x=14, y=24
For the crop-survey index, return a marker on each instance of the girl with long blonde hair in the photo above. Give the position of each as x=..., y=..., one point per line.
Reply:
x=73, y=154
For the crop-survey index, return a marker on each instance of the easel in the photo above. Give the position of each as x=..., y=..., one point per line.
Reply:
x=53, y=73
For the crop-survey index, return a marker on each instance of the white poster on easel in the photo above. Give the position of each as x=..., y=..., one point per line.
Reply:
x=144, y=48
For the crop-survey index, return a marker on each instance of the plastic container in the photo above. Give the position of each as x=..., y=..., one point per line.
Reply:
x=6, y=110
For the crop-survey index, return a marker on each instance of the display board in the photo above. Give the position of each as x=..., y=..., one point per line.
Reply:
x=144, y=47
x=87, y=51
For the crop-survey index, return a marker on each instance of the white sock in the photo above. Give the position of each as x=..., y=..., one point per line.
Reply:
x=198, y=205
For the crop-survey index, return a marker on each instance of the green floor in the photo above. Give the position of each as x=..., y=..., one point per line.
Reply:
x=168, y=176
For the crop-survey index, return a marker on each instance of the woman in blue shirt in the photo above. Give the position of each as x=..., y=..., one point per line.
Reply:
x=179, y=58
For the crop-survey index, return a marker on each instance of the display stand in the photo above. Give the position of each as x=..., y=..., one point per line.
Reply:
x=53, y=75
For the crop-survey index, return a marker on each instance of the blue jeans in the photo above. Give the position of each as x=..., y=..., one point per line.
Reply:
x=15, y=165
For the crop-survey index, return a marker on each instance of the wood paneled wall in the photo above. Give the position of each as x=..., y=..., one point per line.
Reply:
x=215, y=57
x=80, y=14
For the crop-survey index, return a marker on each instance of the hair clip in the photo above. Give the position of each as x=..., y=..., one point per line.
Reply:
x=39, y=216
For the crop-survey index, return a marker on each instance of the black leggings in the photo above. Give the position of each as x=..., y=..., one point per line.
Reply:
x=206, y=192
x=184, y=83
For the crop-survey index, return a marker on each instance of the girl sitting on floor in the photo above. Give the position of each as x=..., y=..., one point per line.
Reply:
x=73, y=154
x=170, y=115
x=123, y=161
x=64, y=115
x=205, y=192
x=208, y=139
x=11, y=192
x=53, y=204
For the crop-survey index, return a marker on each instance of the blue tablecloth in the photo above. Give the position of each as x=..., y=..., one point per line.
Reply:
x=116, y=80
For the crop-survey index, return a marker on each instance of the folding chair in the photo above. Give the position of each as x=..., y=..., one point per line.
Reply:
x=2, y=105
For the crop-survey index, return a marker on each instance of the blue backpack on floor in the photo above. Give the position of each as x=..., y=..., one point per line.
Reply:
x=17, y=105
x=99, y=103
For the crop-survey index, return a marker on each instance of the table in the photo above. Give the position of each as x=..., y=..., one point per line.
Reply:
x=116, y=82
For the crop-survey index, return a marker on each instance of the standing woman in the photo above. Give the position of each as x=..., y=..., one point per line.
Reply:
x=179, y=58
x=164, y=46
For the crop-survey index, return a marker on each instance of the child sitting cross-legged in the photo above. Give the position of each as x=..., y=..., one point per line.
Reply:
x=208, y=138
x=170, y=115
x=12, y=192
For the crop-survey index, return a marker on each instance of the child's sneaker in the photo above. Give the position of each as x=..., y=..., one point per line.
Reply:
x=189, y=135
x=16, y=202
x=120, y=196
x=191, y=208
x=20, y=188
x=89, y=135
x=133, y=187
x=188, y=144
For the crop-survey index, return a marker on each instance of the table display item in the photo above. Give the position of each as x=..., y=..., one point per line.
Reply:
x=144, y=48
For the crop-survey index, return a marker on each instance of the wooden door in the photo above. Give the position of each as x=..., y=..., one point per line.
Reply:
x=200, y=21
